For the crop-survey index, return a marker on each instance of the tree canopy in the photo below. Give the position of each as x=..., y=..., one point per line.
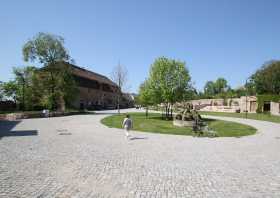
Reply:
x=169, y=78
x=46, y=49
x=266, y=80
x=56, y=81
x=168, y=82
x=119, y=75
x=217, y=87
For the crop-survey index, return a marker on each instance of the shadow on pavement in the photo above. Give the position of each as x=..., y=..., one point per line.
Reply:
x=104, y=113
x=7, y=126
x=138, y=138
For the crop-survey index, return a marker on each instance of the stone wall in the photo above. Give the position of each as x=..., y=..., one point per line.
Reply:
x=251, y=106
x=233, y=104
x=275, y=108
x=230, y=109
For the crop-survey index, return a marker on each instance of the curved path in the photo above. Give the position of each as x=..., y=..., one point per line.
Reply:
x=76, y=156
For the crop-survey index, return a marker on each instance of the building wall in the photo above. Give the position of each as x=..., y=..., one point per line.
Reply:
x=233, y=104
x=95, y=97
x=251, y=104
x=275, y=108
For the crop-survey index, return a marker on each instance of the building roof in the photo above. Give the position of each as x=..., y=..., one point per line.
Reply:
x=78, y=71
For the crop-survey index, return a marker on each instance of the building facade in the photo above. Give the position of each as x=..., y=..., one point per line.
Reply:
x=95, y=91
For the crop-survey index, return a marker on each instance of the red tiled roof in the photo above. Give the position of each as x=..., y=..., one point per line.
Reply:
x=78, y=71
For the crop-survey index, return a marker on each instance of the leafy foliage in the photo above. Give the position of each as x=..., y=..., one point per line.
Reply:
x=169, y=79
x=261, y=99
x=45, y=48
x=54, y=79
x=168, y=82
x=266, y=80
x=10, y=90
x=218, y=88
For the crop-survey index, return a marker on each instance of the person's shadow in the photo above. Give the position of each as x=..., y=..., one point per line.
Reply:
x=138, y=138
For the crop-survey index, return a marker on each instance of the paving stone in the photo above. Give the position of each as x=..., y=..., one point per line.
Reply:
x=96, y=161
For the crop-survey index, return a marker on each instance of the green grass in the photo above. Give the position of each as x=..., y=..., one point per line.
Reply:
x=253, y=116
x=155, y=124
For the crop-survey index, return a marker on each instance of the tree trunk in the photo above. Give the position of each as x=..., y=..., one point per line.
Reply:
x=166, y=109
x=52, y=91
x=23, y=97
x=147, y=108
x=119, y=103
x=171, y=111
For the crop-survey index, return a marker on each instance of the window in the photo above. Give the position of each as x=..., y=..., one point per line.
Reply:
x=84, y=82
x=106, y=87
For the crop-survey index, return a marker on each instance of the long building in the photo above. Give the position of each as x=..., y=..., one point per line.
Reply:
x=95, y=90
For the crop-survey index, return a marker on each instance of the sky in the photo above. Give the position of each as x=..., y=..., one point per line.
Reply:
x=216, y=38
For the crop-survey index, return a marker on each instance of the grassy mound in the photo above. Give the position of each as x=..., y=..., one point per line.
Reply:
x=155, y=124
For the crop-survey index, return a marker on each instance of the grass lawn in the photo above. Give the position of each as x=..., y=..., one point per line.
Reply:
x=253, y=116
x=155, y=124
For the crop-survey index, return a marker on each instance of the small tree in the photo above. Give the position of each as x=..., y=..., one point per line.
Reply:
x=119, y=76
x=169, y=81
x=145, y=95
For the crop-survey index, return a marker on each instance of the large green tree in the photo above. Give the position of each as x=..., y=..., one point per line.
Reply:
x=49, y=50
x=169, y=80
x=266, y=80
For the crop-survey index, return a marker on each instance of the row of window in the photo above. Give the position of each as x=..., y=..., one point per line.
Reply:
x=84, y=82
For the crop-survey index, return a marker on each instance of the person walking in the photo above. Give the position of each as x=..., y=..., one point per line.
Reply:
x=127, y=125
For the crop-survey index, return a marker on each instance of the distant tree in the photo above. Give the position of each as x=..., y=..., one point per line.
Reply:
x=221, y=85
x=119, y=75
x=250, y=88
x=145, y=97
x=49, y=50
x=218, y=88
x=210, y=89
x=266, y=80
x=169, y=81
x=1, y=91
x=10, y=90
x=24, y=81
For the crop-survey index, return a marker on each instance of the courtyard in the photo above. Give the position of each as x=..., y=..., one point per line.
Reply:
x=77, y=156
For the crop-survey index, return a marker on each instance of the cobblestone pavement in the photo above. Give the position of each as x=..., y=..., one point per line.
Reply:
x=76, y=156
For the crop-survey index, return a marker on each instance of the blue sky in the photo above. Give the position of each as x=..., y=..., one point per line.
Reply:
x=216, y=38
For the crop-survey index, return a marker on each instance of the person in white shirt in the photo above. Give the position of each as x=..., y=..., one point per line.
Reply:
x=127, y=125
